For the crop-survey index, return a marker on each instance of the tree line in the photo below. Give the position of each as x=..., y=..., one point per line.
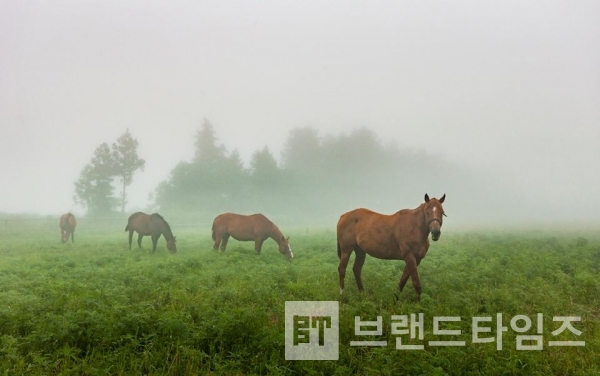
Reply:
x=317, y=174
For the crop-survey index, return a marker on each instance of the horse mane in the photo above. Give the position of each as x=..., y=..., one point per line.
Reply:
x=162, y=219
x=268, y=220
x=275, y=228
x=413, y=210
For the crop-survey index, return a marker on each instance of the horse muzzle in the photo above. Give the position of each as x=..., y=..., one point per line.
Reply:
x=435, y=226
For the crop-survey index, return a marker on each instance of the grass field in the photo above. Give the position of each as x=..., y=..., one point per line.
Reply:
x=94, y=307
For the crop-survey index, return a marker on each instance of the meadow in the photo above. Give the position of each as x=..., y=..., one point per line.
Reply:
x=95, y=307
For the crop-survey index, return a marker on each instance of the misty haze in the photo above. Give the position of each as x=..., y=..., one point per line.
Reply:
x=495, y=105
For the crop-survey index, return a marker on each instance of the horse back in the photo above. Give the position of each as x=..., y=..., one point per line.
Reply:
x=361, y=220
x=67, y=222
x=372, y=232
x=242, y=227
x=141, y=223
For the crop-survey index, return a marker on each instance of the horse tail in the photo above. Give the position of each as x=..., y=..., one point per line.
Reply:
x=339, y=250
x=127, y=227
x=213, y=232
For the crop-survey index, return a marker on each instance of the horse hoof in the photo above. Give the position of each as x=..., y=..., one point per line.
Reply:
x=396, y=297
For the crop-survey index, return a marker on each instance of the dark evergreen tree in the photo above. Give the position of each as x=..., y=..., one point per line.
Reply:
x=268, y=188
x=263, y=168
x=302, y=152
x=207, y=152
x=211, y=183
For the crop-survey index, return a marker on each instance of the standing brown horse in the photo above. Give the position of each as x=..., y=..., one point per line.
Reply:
x=255, y=227
x=400, y=236
x=153, y=225
x=67, y=225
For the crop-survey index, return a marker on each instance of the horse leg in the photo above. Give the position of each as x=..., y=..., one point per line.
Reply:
x=258, y=244
x=140, y=236
x=344, y=258
x=359, y=260
x=73, y=237
x=412, y=264
x=154, y=241
x=403, y=279
x=224, y=243
x=407, y=273
x=217, y=242
x=130, y=238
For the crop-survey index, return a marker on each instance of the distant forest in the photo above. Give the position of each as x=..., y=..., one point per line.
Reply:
x=319, y=177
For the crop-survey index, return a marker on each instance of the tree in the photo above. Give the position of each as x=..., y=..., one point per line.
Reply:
x=207, y=151
x=126, y=162
x=263, y=167
x=267, y=188
x=304, y=169
x=212, y=181
x=302, y=152
x=93, y=189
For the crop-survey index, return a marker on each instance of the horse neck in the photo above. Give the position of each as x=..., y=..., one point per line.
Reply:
x=166, y=231
x=417, y=216
x=424, y=226
x=275, y=234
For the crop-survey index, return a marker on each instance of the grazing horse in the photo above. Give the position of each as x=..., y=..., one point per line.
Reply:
x=67, y=225
x=400, y=236
x=153, y=225
x=255, y=227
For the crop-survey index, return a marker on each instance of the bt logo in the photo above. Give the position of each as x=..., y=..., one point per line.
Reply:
x=312, y=330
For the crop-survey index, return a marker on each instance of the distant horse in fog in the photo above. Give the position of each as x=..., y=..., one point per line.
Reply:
x=67, y=226
x=255, y=227
x=153, y=225
x=400, y=236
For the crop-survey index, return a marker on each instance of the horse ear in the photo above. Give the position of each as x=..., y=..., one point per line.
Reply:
x=288, y=239
x=442, y=199
x=426, y=197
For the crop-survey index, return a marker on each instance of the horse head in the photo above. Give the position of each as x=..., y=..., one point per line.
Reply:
x=434, y=213
x=171, y=246
x=284, y=247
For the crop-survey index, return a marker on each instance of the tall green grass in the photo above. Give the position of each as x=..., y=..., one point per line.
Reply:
x=95, y=307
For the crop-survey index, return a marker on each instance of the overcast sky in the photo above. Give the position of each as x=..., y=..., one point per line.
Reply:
x=507, y=86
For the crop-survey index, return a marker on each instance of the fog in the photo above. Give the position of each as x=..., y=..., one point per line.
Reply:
x=508, y=93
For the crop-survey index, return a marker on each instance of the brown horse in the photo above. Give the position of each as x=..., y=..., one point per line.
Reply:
x=255, y=227
x=153, y=225
x=67, y=226
x=400, y=236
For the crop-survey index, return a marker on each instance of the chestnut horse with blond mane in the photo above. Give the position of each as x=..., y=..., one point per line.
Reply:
x=67, y=226
x=153, y=225
x=400, y=236
x=255, y=227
